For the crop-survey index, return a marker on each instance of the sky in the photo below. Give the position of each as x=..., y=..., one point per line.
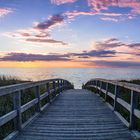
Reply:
x=70, y=33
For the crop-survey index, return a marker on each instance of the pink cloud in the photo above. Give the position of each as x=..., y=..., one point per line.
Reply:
x=40, y=33
x=106, y=16
x=99, y=5
x=109, y=19
x=59, y=2
x=51, y=22
x=45, y=41
x=5, y=11
x=72, y=14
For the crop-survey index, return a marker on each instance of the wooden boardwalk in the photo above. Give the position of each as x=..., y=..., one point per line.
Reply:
x=76, y=115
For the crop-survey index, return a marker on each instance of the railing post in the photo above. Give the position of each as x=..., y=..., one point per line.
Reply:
x=61, y=84
x=100, y=87
x=37, y=93
x=115, y=99
x=96, y=86
x=17, y=106
x=132, y=107
x=54, y=87
x=64, y=85
x=106, y=92
x=48, y=90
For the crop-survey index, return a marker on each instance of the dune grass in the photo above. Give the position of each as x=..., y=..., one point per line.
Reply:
x=9, y=80
x=134, y=81
x=6, y=103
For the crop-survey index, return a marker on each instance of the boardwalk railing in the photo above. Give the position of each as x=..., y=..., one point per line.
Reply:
x=124, y=99
x=21, y=103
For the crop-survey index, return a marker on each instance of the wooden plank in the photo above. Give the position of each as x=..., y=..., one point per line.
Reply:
x=76, y=114
x=137, y=113
x=122, y=118
x=7, y=117
x=12, y=136
x=44, y=95
x=130, y=86
x=37, y=94
x=111, y=95
x=48, y=90
x=16, y=87
x=124, y=104
x=116, y=95
x=17, y=103
x=29, y=120
x=28, y=105
x=106, y=92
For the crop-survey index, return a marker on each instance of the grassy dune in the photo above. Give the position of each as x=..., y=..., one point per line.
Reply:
x=135, y=81
x=9, y=80
x=6, y=103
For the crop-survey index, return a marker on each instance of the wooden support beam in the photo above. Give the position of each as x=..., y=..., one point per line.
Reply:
x=106, y=92
x=115, y=99
x=134, y=103
x=17, y=106
x=37, y=94
x=48, y=90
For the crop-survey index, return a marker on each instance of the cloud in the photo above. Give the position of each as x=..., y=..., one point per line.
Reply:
x=110, y=15
x=46, y=41
x=24, y=57
x=100, y=5
x=51, y=22
x=101, y=8
x=40, y=33
x=95, y=53
x=34, y=57
x=59, y=2
x=134, y=45
x=104, y=5
x=114, y=43
x=114, y=63
x=108, y=44
x=109, y=19
x=5, y=11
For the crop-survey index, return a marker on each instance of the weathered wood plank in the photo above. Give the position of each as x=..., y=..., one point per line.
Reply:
x=9, y=116
x=28, y=105
x=16, y=87
x=76, y=114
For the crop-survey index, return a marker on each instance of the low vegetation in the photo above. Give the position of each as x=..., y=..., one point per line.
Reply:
x=124, y=94
x=6, y=103
x=135, y=81
x=9, y=80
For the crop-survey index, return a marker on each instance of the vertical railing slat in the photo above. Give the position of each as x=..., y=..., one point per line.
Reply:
x=134, y=103
x=48, y=90
x=106, y=91
x=116, y=94
x=54, y=86
x=37, y=94
x=100, y=87
x=17, y=106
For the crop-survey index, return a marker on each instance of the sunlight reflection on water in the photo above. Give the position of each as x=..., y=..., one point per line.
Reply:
x=75, y=75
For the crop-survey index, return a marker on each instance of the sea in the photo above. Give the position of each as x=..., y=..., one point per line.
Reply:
x=77, y=76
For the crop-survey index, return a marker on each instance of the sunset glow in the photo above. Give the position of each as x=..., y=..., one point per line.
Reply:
x=70, y=33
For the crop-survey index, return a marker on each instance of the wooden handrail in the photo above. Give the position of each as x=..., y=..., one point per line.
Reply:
x=58, y=86
x=131, y=107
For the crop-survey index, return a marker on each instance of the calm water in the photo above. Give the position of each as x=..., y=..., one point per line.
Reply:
x=76, y=75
